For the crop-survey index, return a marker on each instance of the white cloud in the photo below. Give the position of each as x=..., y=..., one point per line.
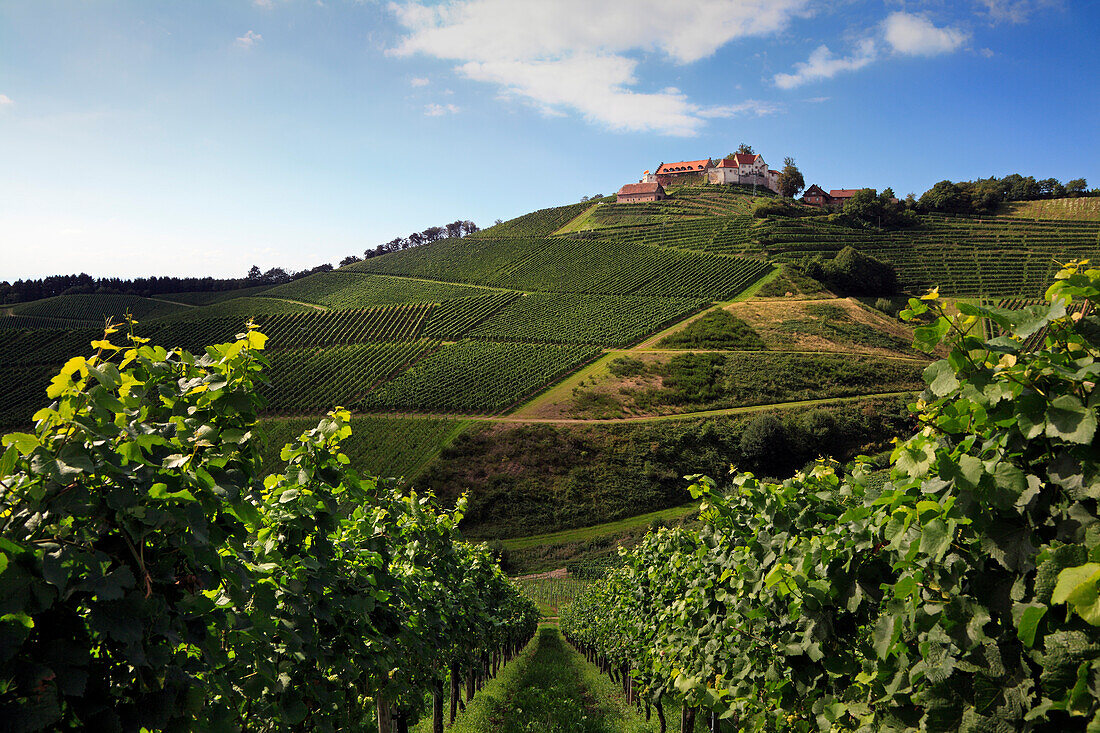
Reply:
x=748, y=108
x=248, y=40
x=822, y=64
x=572, y=54
x=913, y=35
x=418, y=82
x=904, y=33
x=438, y=110
x=1014, y=11
x=265, y=4
x=5, y=100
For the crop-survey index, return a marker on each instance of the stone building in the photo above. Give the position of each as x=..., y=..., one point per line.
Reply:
x=635, y=192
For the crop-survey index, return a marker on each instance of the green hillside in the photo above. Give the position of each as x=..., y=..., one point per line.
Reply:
x=95, y=308
x=569, y=366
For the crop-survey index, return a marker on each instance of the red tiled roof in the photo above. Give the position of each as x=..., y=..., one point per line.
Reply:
x=843, y=193
x=640, y=188
x=684, y=166
x=745, y=158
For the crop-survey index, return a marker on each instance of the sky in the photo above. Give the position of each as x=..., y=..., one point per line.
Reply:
x=141, y=137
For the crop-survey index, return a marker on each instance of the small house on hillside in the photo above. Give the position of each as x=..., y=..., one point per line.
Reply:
x=837, y=197
x=840, y=196
x=635, y=192
x=815, y=195
x=684, y=170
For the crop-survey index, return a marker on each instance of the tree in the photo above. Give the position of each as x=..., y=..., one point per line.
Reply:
x=468, y=227
x=1051, y=188
x=432, y=234
x=350, y=260
x=454, y=229
x=255, y=273
x=790, y=179
x=1076, y=187
x=853, y=272
x=276, y=276
x=745, y=149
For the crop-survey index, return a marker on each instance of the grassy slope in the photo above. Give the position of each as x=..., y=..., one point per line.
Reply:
x=1075, y=209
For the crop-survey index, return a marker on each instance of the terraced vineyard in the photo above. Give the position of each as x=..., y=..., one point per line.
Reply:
x=478, y=376
x=94, y=308
x=380, y=445
x=992, y=256
x=209, y=297
x=455, y=318
x=239, y=308
x=594, y=319
x=315, y=380
x=575, y=265
x=345, y=289
x=539, y=223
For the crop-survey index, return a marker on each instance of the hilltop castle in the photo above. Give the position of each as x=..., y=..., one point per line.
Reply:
x=744, y=168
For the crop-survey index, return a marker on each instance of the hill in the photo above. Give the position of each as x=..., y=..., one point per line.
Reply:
x=570, y=366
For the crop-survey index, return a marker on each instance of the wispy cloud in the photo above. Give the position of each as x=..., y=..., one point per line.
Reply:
x=579, y=56
x=6, y=101
x=418, y=82
x=748, y=108
x=914, y=35
x=438, y=110
x=265, y=4
x=248, y=40
x=823, y=64
x=1014, y=11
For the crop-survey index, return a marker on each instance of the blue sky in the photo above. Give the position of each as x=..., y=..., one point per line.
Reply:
x=140, y=137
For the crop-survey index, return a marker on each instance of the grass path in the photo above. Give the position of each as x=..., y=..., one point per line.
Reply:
x=550, y=688
x=513, y=418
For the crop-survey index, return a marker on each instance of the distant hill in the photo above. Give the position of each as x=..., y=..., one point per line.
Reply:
x=571, y=365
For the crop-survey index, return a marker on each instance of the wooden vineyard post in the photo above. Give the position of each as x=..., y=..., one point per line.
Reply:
x=454, y=690
x=687, y=719
x=437, y=706
x=471, y=683
x=660, y=706
x=385, y=721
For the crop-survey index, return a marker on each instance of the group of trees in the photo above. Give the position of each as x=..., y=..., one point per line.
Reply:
x=457, y=228
x=150, y=580
x=852, y=272
x=959, y=592
x=984, y=195
x=868, y=208
x=278, y=276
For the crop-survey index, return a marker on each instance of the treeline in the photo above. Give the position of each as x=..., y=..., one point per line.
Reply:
x=984, y=195
x=22, y=291
x=457, y=228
